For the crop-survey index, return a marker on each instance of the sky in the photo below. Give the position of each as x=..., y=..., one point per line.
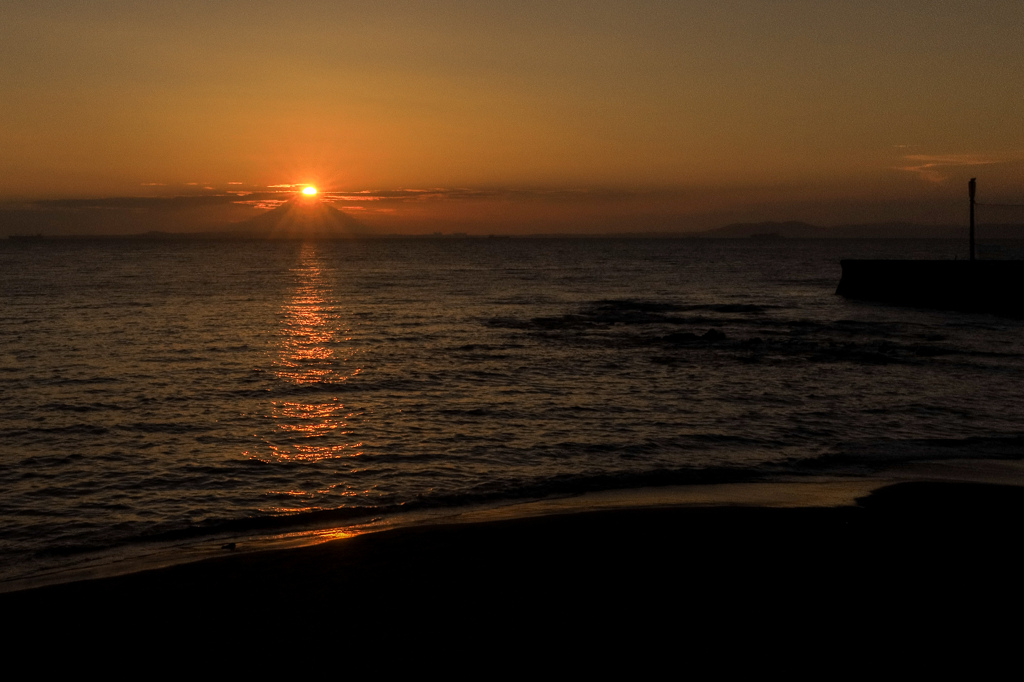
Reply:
x=510, y=117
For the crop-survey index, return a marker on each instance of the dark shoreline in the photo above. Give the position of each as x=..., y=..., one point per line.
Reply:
x=916, y=541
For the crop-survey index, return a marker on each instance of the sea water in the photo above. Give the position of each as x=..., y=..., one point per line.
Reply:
x=161, y=390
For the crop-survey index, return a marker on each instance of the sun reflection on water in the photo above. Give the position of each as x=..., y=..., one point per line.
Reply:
x=315, y=347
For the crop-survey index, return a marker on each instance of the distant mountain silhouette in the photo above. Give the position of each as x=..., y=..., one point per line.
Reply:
x=303, y=218
x=799, y=230
x=786, y=229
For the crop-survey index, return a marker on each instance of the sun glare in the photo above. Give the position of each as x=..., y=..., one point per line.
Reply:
x=309, y=191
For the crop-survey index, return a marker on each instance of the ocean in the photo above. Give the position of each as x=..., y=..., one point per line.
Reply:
x=165, y=395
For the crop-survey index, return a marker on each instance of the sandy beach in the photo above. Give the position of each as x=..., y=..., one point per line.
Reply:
x=905, y=547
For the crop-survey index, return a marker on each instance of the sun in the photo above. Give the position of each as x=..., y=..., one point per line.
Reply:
x=309, y=191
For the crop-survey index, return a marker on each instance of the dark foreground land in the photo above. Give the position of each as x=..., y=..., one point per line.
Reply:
x=913, y=553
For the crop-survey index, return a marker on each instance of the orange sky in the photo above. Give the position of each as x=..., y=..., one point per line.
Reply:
x=578, y=116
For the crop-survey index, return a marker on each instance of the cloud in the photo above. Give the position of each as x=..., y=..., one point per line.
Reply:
x=152, y=203
x=933, y=168
x=414, y=195
x=125, y=215
x=264, y=203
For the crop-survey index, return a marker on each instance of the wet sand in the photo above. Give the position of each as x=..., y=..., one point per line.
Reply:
x=917, y=548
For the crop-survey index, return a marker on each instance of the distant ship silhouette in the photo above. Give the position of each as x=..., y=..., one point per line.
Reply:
x=303, y=218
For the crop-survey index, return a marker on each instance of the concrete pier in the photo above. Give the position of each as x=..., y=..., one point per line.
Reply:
x=973, y=286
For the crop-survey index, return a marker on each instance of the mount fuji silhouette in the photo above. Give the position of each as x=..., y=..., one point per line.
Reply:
x=303, y=218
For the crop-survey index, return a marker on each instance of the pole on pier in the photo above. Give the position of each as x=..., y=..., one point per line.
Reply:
x=970, y=190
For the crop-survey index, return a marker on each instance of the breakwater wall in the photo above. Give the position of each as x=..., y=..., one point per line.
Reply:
x=974, y=286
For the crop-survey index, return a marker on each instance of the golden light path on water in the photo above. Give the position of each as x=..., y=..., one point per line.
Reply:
x=315, y=347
